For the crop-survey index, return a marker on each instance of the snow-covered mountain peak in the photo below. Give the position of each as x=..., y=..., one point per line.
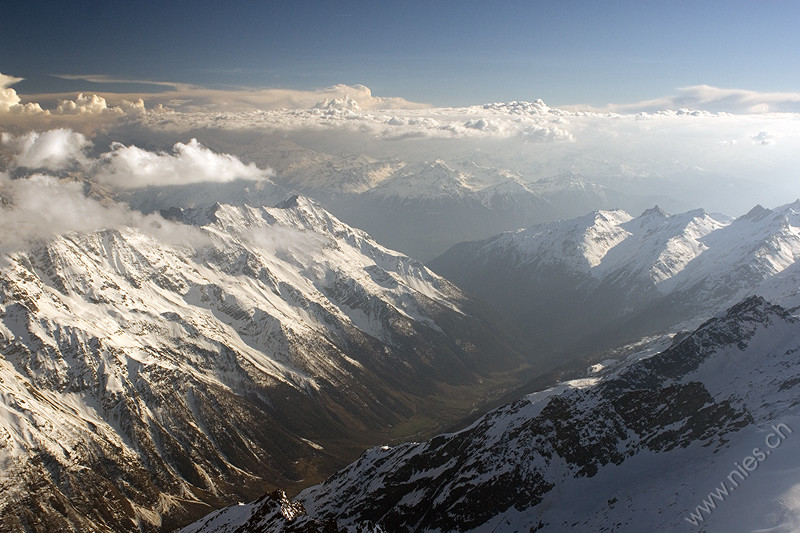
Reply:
x=657, y=246
x=300, y=231
x=305, y=212
x=322, y=174
x=333, y=105
x=789, y=214
x=603, y=232
x=293, y=201
x=652, y=271
x=579, y=244
x=793, y=207
x=756, y=213
x=655, y=212
x=609, y=216
x=537, y=107
x=423, y=181
x=440, y=181
x=296, y=211
x=563, y=182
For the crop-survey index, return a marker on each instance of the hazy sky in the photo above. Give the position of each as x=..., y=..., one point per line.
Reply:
x=443, y=53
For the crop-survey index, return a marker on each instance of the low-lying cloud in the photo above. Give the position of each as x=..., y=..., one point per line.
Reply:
x=53, y=150
x=663, y=147
x=477, y=122
x=29, y=212
x=718, y=160
x=39, y=207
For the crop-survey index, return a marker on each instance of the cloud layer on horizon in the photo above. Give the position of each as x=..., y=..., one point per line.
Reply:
x=691, y=133
x=189, y=98
x=716, y=99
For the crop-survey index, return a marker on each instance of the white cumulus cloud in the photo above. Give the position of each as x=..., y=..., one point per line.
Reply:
x=129, y=167
x=97, y=105
x=8, y=96
x=10, y=101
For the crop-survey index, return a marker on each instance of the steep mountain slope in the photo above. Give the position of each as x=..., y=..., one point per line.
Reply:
x=638, y=448
x=618, y=277
x=148, y=377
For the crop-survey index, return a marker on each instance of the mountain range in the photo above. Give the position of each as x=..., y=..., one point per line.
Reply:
x=607, y=278
x=149, y=377
x=690, y=427
x=700, y=434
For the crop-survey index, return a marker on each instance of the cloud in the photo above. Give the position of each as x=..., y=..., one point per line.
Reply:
x=8, y=96
x=53, y=150
x=278, y=240
x=10, y=100
x=129, y=167
x=97, y=105
x=698, y=131
x=763, y=138
x=663, y=154
x=126, y=167
x=105, y=79
x=90, y=113
x=477, y=122
x=715, y=99
x=28, y=216
x=33, y=198
x=482, y=124
x=194, y=99
x=190, y=99
x=87, y=113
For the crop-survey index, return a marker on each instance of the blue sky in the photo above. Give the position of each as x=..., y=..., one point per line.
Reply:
x=444, y=53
